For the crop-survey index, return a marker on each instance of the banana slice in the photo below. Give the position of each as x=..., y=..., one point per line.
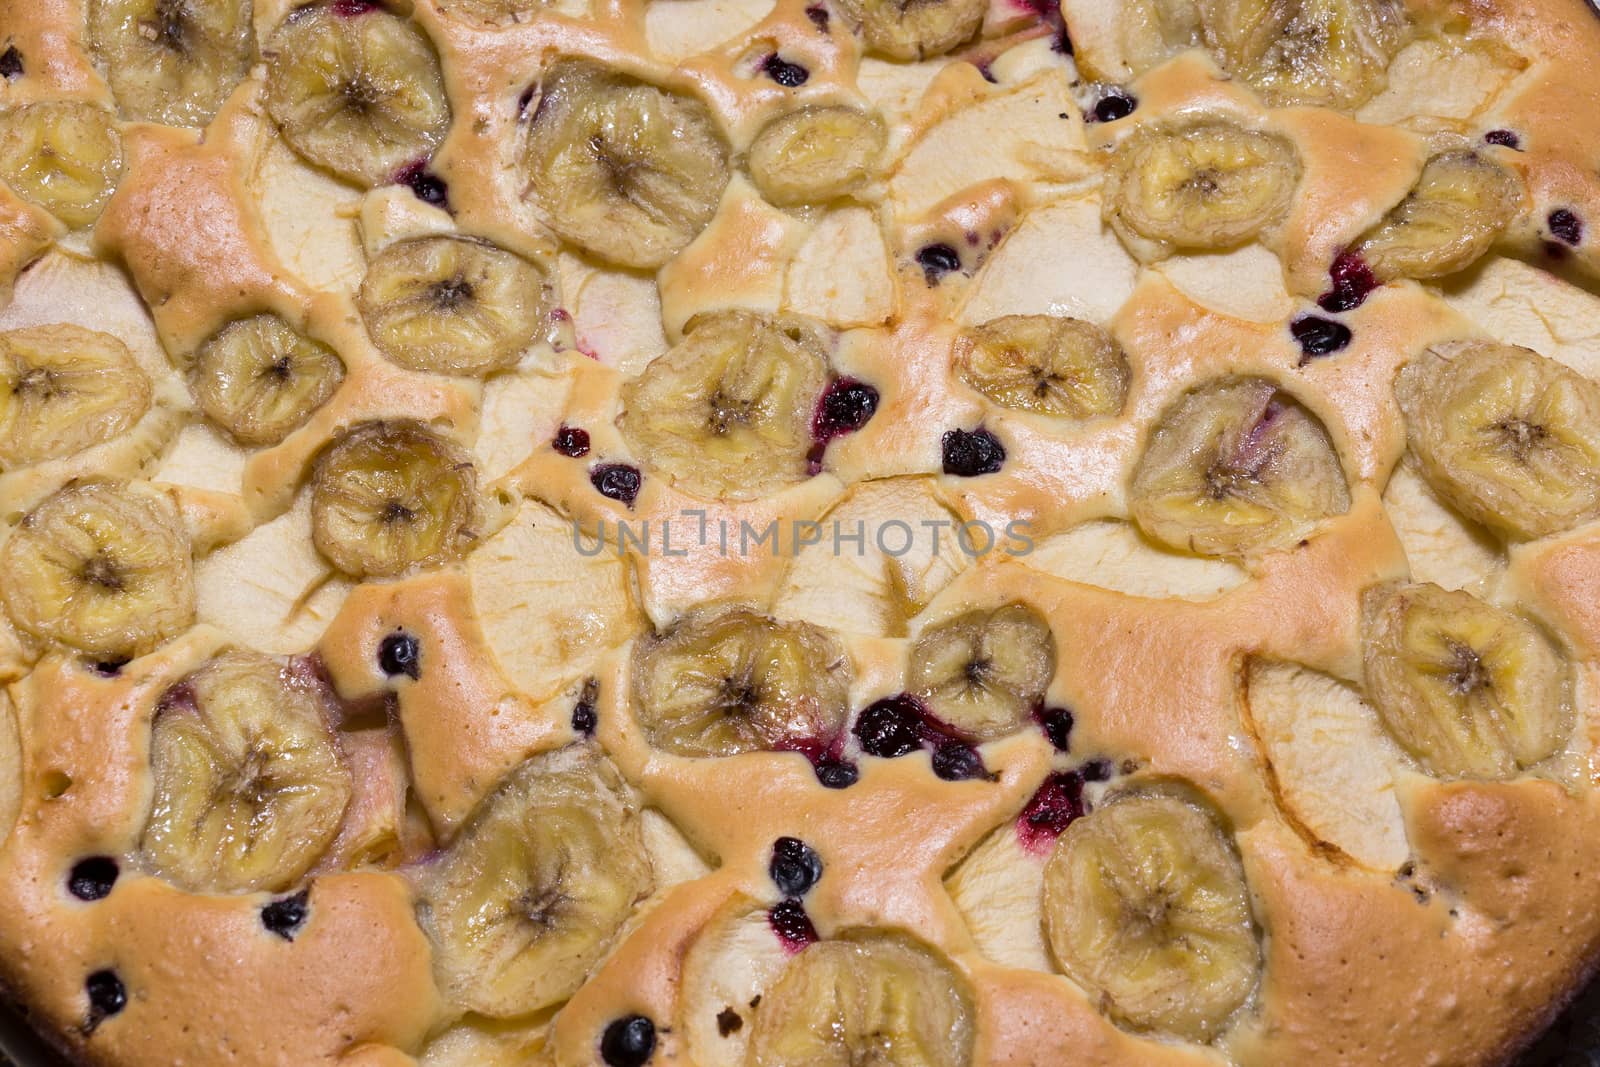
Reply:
x=1237, y=467
x=454, y=305
x=1319, y=53
x=358, y=93
x=1146, y=907
x=250, y=788
x=1470, y=690
x=172, y=61
x=623, y=169
x=868, y=998
x=914, y=29
x=727, y=412
x=64, y=389
x=64, y=155
x=1117, y=40
x=984, y=671
x=1047, y=364
x=102, y=567
x=725, y=680
x=1448, y=220
x=534, y=890
x=1508, y=437
x=388, y=496
x=1206, y=185
x=260, y=378
x=816, y=153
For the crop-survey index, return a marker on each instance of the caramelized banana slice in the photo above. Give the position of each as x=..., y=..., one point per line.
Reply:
x=816, y=153
x=727, y=412
x=1146, y=907
x=389, y=496
x=867, y=998
x=1117, y=40
x=1209, y=184
x=984, y=672
x=64, y=155
x=1047, y=364
x=250, y=789
x=1470, y=690
x=1320, y=53
x=725, y=680
x=626, y=170
x=172, y=61
x=356, y=90
x=1508, y=437
x=64, y=389
x=454, y=305
x=533, y=892
x=1460, y=204
x=260, y=378
x=1237, y=467
x=102, y=567
x=914, y=29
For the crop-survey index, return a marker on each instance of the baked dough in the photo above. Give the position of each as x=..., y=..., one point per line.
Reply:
x=1400, y=916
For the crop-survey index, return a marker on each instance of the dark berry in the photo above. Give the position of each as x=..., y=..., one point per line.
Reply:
x=351, y=8
x=795, y=866
x=968, y=455
x=399, y=653
x=1051, y=809
x=891, y=727
x=1352, y=280
x=1057, y=726
x=1566, y=227
x=285, y=917
x=729, y=1022
x=1113, y=106
x=938, y=260
x=818, y=16
x=789, y=75
x=429, y=188
x=584, y=715
x=837, y=774
x=790, y=922
x=110, y=668
x=1097, y=770
x=955, y=761
x=1319, y=336
x=10, y=63
x=107, y=997
x=846, y=406
x=571, y=441
x=628, y=1042
x=92, y=879
x=1503, y=138
x=617, y=481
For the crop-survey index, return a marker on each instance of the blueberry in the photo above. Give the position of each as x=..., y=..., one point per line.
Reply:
x=285, y=917
x=968, y=455
x=790, y=922
x=1113, y=106
x=847, y=406
x=109, y=668
x=937, y=260
x=617, y=481
x=837, y=774
x=1053, y=807
x=1503, y=138
x=10, y=63
x=1097, y=770
x=955, y=761
x=891, y=727
x=399, y=653
x=1319, y=336
x=795, y=866
x=628, y=1042
x=571, y=441
x=1566, y=227
x=584, y=716
x=427, y=187
x=789, y=75
x=93, y=878
x=1057, y=725
x=107, y=997
x=1352, y=281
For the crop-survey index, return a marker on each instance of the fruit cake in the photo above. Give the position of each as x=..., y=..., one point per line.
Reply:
x=797, y=532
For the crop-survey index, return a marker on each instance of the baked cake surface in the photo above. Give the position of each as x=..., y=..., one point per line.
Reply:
x=726, y=532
